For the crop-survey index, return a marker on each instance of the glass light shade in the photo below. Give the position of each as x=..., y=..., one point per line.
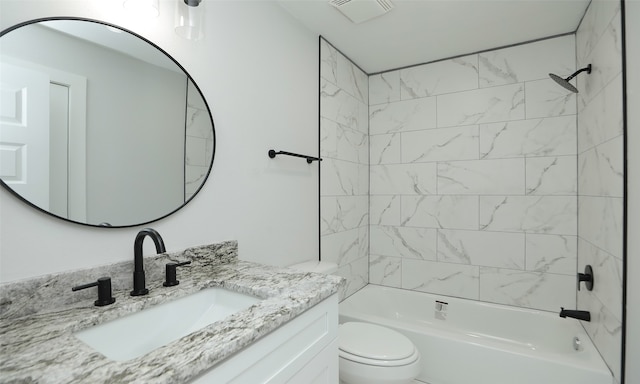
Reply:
x=145, y=8
x=189, y=20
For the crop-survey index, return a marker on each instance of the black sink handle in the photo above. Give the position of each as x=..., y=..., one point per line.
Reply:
x=104, y=291
x=170, y=272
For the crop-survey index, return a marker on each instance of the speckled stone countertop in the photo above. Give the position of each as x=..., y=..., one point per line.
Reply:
x=38, y=318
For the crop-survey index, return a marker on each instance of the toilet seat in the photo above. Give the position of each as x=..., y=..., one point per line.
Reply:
x=375, y=345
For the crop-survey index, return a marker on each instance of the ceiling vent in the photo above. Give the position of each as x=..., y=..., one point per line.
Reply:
x=360, y=11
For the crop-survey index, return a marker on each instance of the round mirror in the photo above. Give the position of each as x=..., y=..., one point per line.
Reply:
x=98, y=125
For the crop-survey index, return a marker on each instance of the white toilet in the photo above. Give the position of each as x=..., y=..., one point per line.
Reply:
x=370, y=353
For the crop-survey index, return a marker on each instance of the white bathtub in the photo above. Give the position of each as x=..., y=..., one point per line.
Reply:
x=483, y=343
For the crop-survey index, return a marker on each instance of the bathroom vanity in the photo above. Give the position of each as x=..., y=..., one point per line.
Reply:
x=289, y=334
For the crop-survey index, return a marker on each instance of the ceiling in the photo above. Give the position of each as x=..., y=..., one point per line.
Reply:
x=421, y=31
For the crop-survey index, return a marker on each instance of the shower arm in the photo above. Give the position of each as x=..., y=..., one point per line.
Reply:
x=587, y=68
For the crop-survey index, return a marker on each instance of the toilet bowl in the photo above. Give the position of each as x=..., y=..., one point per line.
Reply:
x=372, y=354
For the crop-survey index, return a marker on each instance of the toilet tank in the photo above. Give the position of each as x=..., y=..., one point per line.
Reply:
x=325, y=267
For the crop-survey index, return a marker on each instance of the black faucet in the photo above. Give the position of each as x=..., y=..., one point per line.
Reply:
x=139, y=288
x=580, y=315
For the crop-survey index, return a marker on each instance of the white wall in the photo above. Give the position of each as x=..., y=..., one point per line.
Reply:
x=632, y=374
x=258, y=68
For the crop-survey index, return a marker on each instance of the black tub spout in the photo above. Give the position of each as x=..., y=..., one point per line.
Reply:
x=580, y=315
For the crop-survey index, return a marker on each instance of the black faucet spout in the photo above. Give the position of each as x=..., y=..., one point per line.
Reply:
x=580, y=315
x=139, y=284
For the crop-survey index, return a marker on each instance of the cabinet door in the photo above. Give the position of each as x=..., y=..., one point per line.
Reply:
x=323, y=369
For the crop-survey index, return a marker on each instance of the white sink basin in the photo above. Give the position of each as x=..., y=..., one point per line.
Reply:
x=139, y=333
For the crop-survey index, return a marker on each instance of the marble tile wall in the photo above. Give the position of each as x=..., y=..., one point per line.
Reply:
x=199, y=142
x=600, y=175
x=473, y=177
x=344, y=172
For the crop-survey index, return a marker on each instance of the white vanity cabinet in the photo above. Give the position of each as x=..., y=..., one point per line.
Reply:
x=303, y=351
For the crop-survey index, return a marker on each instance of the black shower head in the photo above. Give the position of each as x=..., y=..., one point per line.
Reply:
x=565, y=82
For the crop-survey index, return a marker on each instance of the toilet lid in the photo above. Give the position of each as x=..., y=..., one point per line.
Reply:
x=374, y=342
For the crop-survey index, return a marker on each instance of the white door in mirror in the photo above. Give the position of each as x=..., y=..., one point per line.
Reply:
x=24, y=132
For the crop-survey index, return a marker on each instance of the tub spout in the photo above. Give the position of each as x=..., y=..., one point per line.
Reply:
x=580, y=315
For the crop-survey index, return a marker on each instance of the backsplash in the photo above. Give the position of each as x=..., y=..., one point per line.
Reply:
x=46, y=293
x=473, y=177
x=344, y=184
x=600, y=176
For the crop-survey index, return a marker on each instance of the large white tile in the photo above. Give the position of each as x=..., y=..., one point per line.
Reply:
x=453, y=143
x=551, y=175
x=340, y=247
x=601, y=119
x=339, y=106
x=412, y=243
x=384, y=88
x=351, y=145
x=384, y=270
x=550, y=136
x=402, y=116
x=385, y=149
x=486, y=105
x=385, y=210
x=363, y=179
x=605, y=60
x=328, y=212
x=492, y=249
x=198, y=123
x=344, y=212
x=545, y=98
x=532, y=214
x=363, y=241
x=357, y=275
x=594, y=23
x=352, y=79
x=551, y=253
x=607, y=271
x=196, y=151
x=482, y=177
x=600, y=222
x=600, y=171
x=339, y=178
x=604, y=329
x=441, y=77
x=527, y=62
x=403, y=179
x=328, y=138
x=452, y=212
x=194, y=176
x=328, y=62
x=544, y=291
x=440, y=278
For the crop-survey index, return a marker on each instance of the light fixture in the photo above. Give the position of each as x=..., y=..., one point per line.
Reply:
x=145, y=8
x=189, y=23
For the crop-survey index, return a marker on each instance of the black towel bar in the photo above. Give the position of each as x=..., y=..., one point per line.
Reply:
x=310, y=159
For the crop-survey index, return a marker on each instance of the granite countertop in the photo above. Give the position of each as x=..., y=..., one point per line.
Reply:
x=38, y=318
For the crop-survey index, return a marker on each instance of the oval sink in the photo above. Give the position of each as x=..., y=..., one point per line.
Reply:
x=139, y=333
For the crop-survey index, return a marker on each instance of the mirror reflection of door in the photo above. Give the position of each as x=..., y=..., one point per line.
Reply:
x=61, y=96
x=24, y=127
x=59, y=148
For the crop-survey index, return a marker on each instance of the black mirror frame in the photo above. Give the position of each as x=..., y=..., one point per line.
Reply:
x=213, y=153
